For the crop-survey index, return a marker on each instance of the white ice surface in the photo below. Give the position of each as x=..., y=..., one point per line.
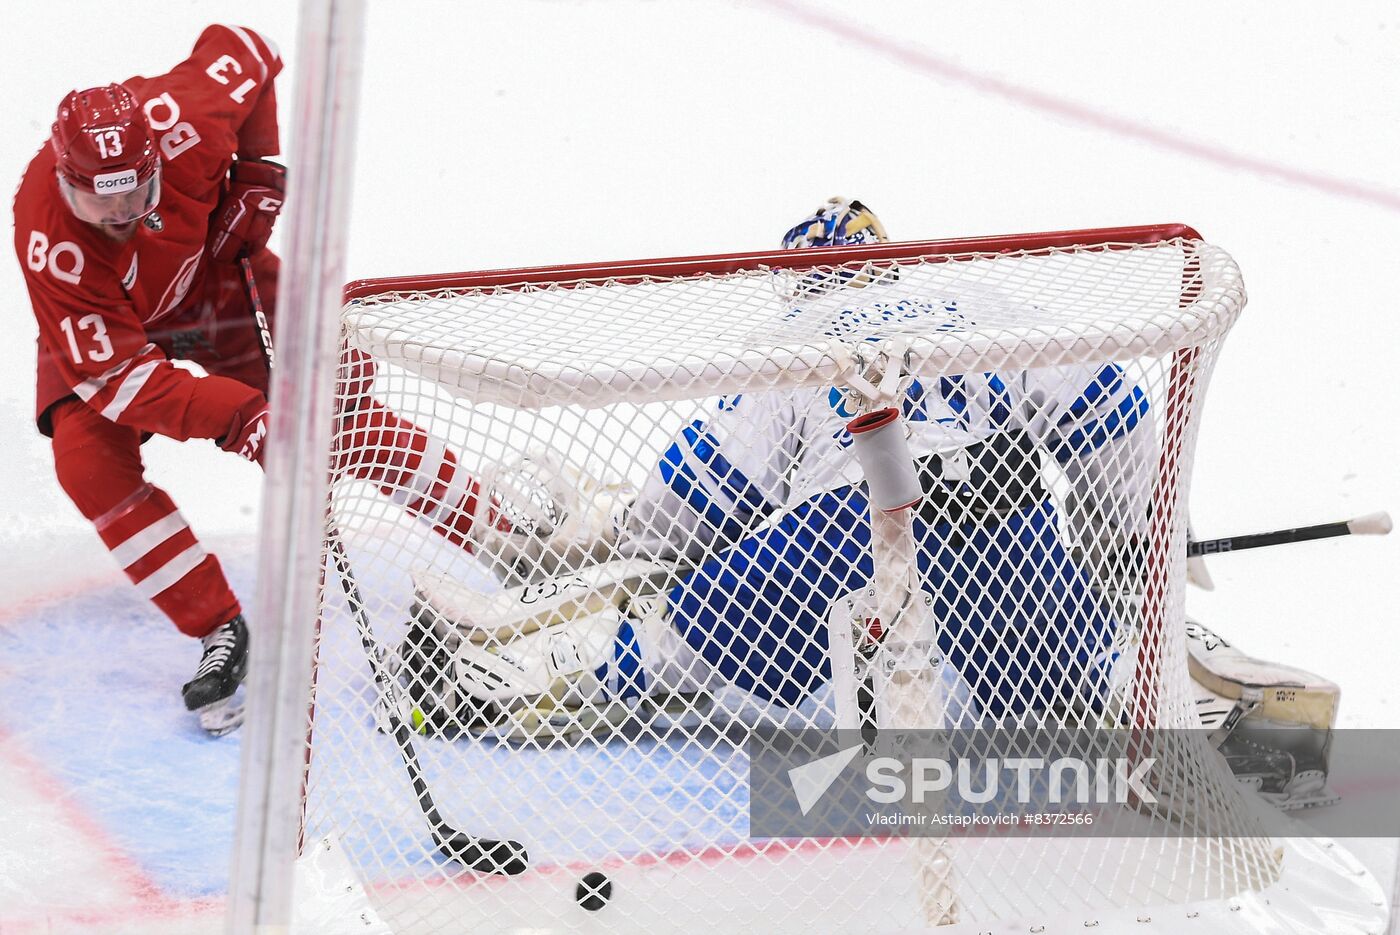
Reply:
x=545, y=131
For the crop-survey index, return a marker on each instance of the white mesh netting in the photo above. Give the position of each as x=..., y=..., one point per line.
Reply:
x=602, y=523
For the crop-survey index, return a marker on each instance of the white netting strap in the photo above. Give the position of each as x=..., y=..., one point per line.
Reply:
x=884, y=379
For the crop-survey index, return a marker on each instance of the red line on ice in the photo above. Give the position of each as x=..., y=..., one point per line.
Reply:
x=922, y=61
x=681, y=856
x=141, y=896
x=26, y=606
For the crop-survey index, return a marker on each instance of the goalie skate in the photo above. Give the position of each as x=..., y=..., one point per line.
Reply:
x=1271, y=722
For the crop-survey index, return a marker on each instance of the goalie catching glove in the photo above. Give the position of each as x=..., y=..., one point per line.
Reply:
x=543, y=516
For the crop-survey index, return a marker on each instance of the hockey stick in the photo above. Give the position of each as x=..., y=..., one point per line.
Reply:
x=484, y=855
x=1372, y=524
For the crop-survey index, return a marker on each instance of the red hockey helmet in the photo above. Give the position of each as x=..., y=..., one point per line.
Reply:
x=105, y=152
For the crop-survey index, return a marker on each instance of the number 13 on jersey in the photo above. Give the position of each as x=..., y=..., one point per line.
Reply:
x=101, y=345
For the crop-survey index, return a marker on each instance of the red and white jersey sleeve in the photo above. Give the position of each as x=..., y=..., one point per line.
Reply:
x=224, y=91
x=217, y=103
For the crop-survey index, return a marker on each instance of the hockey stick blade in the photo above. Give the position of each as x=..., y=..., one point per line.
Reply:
x=484, y=855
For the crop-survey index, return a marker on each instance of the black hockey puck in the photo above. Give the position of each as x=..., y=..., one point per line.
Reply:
x=593, y=891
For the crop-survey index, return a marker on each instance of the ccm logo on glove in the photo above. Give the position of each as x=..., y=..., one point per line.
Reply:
x=247, y=442
x=242, y=222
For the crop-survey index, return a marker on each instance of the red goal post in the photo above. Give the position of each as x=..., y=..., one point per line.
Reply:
x=719, y=264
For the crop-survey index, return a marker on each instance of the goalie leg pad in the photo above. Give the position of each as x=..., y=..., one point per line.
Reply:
x=581, y=677
x=568, y=661
x=587, y=673
x=1276, y=692
x=557, y=656
x=445, y=602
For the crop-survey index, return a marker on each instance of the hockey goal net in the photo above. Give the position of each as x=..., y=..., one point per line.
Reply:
x=681, y=424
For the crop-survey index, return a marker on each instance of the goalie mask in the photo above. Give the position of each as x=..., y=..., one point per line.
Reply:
x=838, y=223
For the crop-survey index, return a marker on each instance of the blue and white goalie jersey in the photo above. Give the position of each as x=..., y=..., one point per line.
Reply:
x=764, y=498
x=766, y=453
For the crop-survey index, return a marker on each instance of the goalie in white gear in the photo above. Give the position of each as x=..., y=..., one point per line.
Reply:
x=724, y=568
x=762, y=511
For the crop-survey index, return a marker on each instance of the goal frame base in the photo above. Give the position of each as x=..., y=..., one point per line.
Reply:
x=1323, y=887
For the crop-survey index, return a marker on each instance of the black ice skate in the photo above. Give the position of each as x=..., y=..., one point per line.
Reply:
x=220, y=672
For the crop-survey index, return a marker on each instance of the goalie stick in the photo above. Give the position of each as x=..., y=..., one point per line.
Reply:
x=484, y=855
x=1372, y=524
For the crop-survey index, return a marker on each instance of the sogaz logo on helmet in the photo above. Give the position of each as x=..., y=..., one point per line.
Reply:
x=114, y=183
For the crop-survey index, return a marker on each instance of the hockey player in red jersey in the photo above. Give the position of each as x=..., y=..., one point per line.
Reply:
x=130, y=224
